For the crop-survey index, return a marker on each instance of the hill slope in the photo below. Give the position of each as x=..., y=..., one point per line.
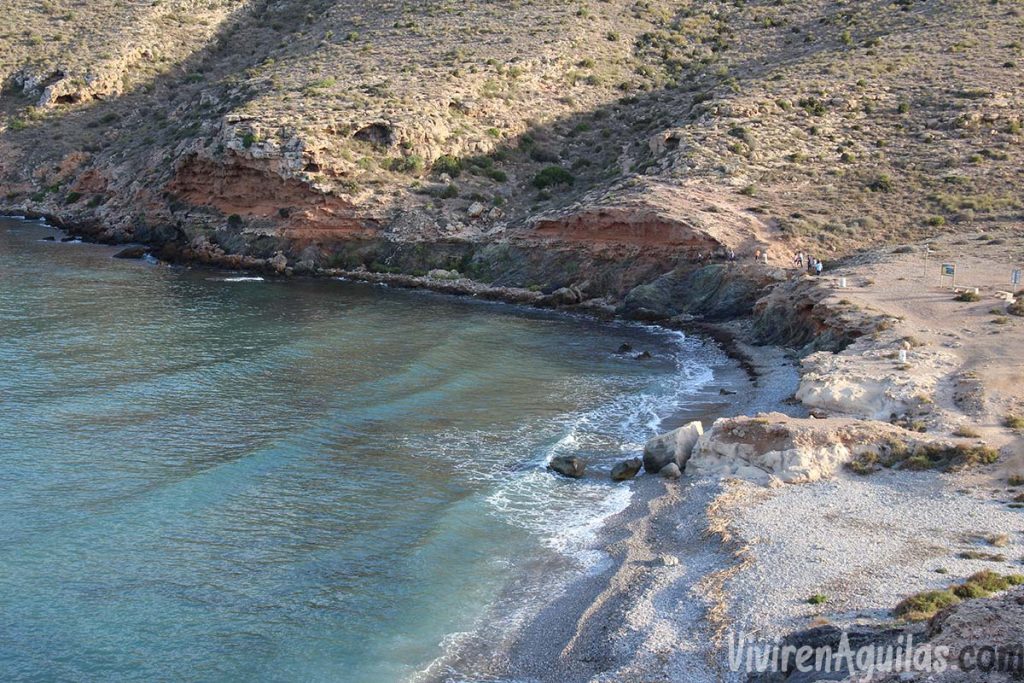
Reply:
x=651, y=132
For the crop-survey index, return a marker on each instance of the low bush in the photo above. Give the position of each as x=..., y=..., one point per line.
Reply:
x=551, y=176
x=896, y=453
x=446, y=163
x=980, y=585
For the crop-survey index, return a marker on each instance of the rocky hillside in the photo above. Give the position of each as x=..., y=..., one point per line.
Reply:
x=491, y=136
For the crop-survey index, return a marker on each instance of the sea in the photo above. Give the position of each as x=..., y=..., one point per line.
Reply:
x=212, y=476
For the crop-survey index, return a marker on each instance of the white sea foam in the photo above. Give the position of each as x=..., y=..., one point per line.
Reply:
x=242, y=278
x=568, y=515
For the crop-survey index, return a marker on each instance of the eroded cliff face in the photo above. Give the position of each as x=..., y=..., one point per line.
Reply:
x=536, y=145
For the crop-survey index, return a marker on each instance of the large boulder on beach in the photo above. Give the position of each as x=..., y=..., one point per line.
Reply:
x=627, y=469
x=774, y=448
x=674, y=447
x=568, y=466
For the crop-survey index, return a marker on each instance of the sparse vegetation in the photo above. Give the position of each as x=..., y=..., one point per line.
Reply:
x=896, y=453
x=980, y=585
x=447, y=164
x=839, y=146
x=551, y=176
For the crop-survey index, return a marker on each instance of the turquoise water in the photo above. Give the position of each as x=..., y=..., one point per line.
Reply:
x=212, y=478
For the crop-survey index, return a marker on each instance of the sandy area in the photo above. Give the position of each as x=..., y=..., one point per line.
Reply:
x=697, y=561
x=982, y=384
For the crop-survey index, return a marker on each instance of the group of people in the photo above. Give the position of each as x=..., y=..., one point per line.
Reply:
x=814, y=266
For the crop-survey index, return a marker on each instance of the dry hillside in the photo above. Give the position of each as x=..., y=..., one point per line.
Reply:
x=665, y=130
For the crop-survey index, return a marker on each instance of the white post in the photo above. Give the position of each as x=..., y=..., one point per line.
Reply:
x=903, y=355
x=842, y=283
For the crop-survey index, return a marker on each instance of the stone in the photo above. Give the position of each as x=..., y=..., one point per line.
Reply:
x=643, y=355
x=568, y=466
x=278, y=262
x=135, y=252
x=566, y=296
x=627, y=469
x=625, y=348
x=475, y=210
x=441, y=274
x=671, y=471
x=669, y=561
x=674, y=447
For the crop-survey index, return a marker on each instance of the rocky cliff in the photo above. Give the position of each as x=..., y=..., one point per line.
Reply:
x=542, y=145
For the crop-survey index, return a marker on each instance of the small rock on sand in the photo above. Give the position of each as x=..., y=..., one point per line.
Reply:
x=627, y=469
x=671, y=471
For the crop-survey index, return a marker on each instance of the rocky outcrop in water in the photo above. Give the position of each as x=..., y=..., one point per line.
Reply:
x=568, y=466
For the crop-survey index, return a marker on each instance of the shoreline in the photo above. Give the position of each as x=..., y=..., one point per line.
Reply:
x=588, y=604
x=737, y=559
x=594, y=624
x=725, y=334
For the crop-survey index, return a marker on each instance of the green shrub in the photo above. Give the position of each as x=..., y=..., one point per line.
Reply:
x=446, y=163
x=450, y=191
x=411, y=164
x=968, y=296
x=883, y=183
x=969, y=590
x=1014, y=422
x=72, y=197
x=817, y=599
x=812, y=106
x=925, y=605
x=551, y=176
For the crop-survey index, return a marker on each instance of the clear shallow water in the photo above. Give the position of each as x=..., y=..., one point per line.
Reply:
x=211, y=478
